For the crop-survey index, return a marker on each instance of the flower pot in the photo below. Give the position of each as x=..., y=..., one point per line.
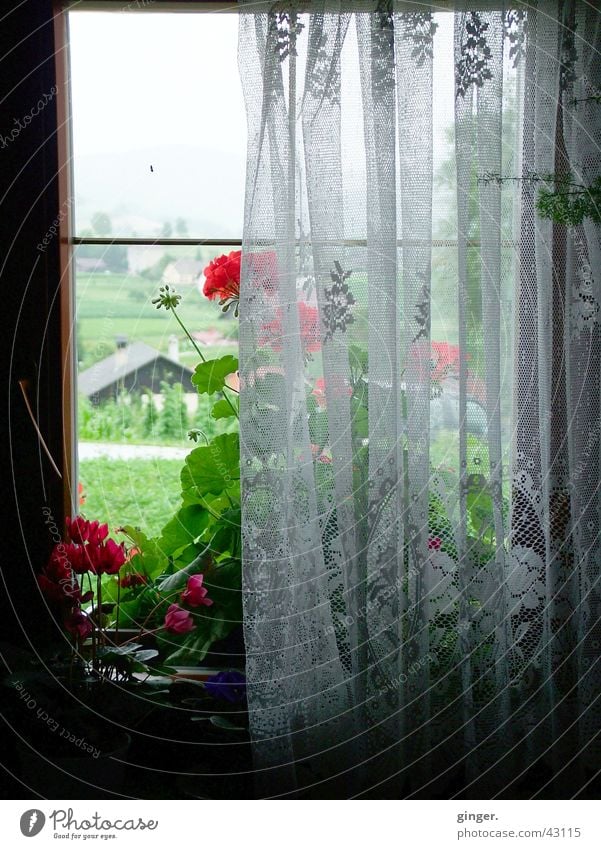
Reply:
x=84, y=774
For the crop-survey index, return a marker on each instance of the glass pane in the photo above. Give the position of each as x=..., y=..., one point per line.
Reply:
x=159, y=147
x=135, y=400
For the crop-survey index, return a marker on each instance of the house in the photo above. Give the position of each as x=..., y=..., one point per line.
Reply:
x=133, y=368
x=90, y=265
x=183, y=272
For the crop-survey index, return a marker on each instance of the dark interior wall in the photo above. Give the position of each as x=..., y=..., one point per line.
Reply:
x=30, y=338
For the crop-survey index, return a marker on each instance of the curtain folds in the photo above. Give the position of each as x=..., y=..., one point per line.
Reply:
x=419, y=361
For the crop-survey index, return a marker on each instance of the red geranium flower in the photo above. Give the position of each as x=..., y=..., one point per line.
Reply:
x=445, y=360
x=178, y=620
x=309, y=329
x=263, y=268
x=222, y=279
x=434, y=543
x=195, y=594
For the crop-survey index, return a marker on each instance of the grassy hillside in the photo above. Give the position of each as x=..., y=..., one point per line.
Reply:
x=111, y=305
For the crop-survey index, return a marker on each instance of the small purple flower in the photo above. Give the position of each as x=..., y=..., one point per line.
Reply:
x=229, y=685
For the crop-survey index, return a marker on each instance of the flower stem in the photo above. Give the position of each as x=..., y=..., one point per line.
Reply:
x=202, y=357
x=185, y=329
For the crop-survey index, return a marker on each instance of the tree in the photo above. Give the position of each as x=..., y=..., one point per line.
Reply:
x=150, y=416
x=166, y=230
x=101, y=224
x=155, y=272
x=173, y=420
x=181, y=228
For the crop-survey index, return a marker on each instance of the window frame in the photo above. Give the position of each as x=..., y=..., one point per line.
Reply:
x=68, y=240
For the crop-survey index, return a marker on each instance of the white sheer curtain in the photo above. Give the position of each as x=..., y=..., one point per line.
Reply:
x=420, y=359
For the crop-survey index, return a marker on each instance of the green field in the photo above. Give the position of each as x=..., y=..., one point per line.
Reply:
x=112, y=305
x=144, y=493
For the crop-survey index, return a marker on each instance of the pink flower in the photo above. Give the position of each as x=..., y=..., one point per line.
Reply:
x=80, y=530
x=434, y=543
x=319, y=455
x=445, y=360
x=107, y=558
x=78, y=624
x=195, y=594
x=337, y=386
x=97, y=533
x=178, y=620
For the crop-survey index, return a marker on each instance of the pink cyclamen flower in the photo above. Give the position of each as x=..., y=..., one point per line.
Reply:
x=78, y=624
x=178, y=620
x=80, y=530
x=195, y=594
x=106, y=558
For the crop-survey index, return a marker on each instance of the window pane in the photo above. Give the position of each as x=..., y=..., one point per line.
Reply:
x=136, y=403
x=159, y=133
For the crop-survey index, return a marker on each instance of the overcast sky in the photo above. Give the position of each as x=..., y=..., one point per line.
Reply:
x=143, y=79
x=163, y=90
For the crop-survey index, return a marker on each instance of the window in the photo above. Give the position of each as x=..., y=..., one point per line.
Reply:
x=159, y=161
x=158, y=178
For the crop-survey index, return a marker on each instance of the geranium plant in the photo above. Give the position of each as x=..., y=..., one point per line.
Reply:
x=184, y=585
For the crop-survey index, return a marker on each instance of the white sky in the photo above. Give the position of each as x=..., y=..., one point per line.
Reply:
x=164, y=90
x=148, y=79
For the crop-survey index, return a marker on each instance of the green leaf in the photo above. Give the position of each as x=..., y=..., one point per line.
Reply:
x=358, y=358
x=185, y=527
x=150, y=560
x=225, y=724
x=480, y=509
x=145, y=654
x=228, y=532
x=108, y=652
x=360, y=420
x=318, y=427
x=180, y=578
x=212, y=468
x=210, y=377
x=222, y=410
x=130, y=614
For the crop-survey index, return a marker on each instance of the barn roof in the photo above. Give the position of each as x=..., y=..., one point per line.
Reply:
x=122, y=363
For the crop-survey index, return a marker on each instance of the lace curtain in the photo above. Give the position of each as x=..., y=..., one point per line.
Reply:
x=420, y=364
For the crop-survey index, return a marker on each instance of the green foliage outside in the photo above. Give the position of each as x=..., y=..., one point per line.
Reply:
x=136, y=419
x=111, y=305
x=130, y=492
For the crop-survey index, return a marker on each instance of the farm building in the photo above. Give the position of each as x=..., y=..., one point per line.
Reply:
x=183, y=272
x=133, y=368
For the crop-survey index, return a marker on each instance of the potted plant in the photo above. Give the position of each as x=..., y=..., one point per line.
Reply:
x=68, y=703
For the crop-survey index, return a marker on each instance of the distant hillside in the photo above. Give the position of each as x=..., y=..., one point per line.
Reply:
x=207, y=191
